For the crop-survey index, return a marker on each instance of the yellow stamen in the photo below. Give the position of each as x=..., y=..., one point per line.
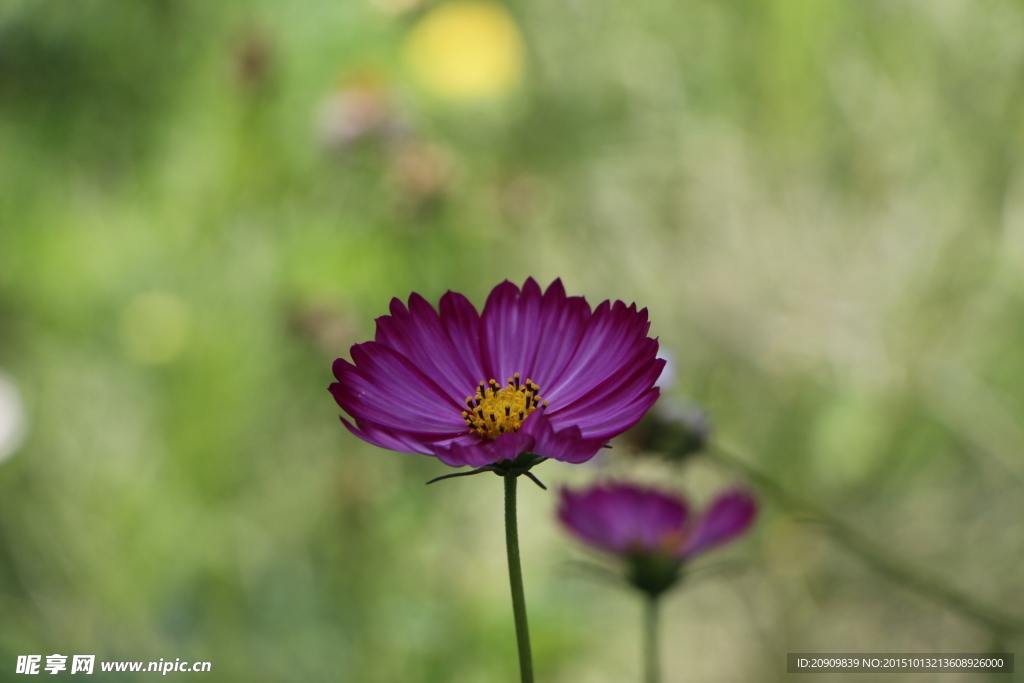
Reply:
x=494, y=411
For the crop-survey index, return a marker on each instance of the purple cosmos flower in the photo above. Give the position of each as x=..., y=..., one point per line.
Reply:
x=535, y=372
x=653, y=530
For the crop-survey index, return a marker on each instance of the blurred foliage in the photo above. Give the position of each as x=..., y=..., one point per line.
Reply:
x=205, y=203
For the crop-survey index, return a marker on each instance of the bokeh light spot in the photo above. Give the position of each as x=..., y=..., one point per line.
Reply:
x=12, y=418
x=154, y=327
x=466, y=50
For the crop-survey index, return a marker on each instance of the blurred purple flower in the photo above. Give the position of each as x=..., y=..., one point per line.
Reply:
x=653, y=530
x=429, y=382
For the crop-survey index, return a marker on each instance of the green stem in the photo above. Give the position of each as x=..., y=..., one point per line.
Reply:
x=515, y=580
x=651, y=639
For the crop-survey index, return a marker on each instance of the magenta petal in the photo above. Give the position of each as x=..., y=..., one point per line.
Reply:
x=387, y=438
x=563, y=320
x=383, y=386
x=606, y=416
x=485, y=451
x=656, y=516
x=567, y=445
x=510, y=329
x=508, y=446
x=578, y=514
x=405, y=442
x=418, y=334
x=462, y=323
x=727, y=517
x=457, y=455
x=614, y=336
x=623, y=518
x=616, y=423
x=536, y=436
x=627, y=383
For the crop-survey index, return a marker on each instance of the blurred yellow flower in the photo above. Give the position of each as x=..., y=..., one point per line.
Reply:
x=466, y=50
x=154, y=327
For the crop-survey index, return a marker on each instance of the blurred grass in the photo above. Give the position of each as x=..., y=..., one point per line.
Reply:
x=820, y=202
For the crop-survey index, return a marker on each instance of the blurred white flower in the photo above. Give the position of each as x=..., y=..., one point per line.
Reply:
x=360, y=108
x=667, y=379
x=12, y=418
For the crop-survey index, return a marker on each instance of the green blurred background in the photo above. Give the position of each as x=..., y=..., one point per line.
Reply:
x=203, y=204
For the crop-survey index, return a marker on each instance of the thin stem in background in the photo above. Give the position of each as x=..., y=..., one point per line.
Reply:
x=881, y=560
x=651, y=674
x=515, y=580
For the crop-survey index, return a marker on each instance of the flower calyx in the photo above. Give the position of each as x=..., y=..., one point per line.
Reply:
x=653, y=573
x=505, y=468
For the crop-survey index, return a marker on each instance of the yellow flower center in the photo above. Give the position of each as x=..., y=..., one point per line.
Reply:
x=494, y=411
